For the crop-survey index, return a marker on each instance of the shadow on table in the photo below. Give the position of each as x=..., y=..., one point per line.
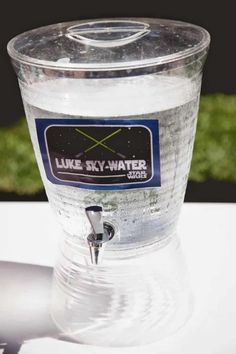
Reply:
x=25, y=300
x=24, y=305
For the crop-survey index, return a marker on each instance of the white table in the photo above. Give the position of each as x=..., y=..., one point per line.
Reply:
x=29, y=233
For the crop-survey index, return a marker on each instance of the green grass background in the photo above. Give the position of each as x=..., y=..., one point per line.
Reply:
x=214, y=154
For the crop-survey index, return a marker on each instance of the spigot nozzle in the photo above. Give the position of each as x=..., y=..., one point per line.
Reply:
x=95, y=248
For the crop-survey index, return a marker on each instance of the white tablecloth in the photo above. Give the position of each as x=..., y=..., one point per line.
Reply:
x=207, y=231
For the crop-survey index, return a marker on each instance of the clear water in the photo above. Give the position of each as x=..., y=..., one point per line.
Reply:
x=128, y=291
x=142, y=216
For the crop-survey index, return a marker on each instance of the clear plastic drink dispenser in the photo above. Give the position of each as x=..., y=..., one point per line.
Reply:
x=112, y=110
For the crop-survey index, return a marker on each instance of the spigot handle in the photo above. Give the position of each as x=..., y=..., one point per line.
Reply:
x=94, y=215
x=101, y=232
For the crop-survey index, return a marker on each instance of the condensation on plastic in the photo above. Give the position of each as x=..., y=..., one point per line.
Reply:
x=119, y=46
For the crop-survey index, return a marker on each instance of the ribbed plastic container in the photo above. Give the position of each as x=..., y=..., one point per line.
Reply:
x=107, y=73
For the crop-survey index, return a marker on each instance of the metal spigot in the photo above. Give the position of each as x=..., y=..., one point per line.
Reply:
x=102, y=232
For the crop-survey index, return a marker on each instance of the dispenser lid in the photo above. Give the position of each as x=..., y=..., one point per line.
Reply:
x=110, y=44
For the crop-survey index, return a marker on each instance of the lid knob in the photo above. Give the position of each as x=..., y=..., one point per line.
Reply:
x=107, y=34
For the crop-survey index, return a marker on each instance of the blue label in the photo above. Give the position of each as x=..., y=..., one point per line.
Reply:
x=100, y=154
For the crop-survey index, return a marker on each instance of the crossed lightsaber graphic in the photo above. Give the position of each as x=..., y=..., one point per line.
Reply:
x=99, y=142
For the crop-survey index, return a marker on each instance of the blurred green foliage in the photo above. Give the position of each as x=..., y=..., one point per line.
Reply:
x=214, y=151
x=18, y=169
x=214, y=155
